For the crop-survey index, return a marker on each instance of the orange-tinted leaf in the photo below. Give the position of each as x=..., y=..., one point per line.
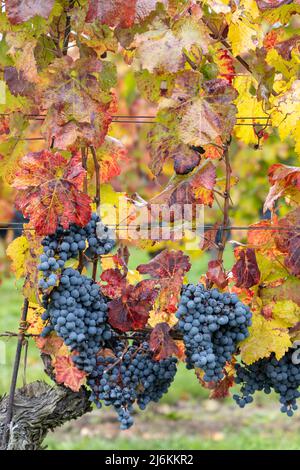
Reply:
x=161, y=342
x=50, y=191
x=245, y=271
x=131, y=310
x=110, y=155
x=260, y=238
x=222, y=388
x=19, y=11
x=283, y=179
x=216, y=274
x=67, y=373
x=202, y=184
x=49, y=345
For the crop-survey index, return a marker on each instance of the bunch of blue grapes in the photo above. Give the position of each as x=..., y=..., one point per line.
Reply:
x=131, y=376
x=77, y=311
x=212, y=323
x=62, y=245
x=267, y=374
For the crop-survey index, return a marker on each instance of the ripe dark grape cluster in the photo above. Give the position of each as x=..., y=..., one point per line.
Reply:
x=269, y=374
x=77, y=311
x=65, y=244
x=131, y=376
x=212, y=323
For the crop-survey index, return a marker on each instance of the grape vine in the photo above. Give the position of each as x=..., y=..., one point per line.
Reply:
x=216, y=86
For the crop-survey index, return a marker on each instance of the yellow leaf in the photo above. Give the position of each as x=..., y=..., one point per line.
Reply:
x=24, y=253
x=36, y=324
x=133, y=276
x=287, y=312
x=17, y=251
x=243, y=36
x=288, y=68
x=286, y=113
x=247, y=105
x=266, y=336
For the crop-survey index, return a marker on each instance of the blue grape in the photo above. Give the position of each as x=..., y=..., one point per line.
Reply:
x=212, y=323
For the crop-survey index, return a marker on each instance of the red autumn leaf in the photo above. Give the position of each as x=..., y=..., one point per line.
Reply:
x=166, y=264
x=222, y=388
x=19, y=11
x=216, y=274
x=245, y=271
x=169, y=268
x=50, y=345
x=131, y=310
x=67, y=373
x=225, y=63
x=49, y=191
x=120, y=13
x=283, y=179
x=288, y=241
x=115, y=283
x=161, y=343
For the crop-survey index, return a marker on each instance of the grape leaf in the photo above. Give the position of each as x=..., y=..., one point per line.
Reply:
x=131, y=310
x=288, y=241
x=163, y=50
x=268, y=4
x=19, y=11
x=168, y=268
x=216, y=274
x=50, y=191
x=166, y=265
x=110, y=156
x=79, y=107
x=24, y=253
x=119, y=13
x=210, y=116
x=116, y=282
x=286, y=112
x=50, y=345
x=245, y=271
x=266, y=336
x=161, y=343
x=17, y=83
x=34, y=320
x=67, y=373
x=284, y=180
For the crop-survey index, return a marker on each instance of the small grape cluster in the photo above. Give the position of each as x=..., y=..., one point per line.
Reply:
x=212, y=323
x=77, y=311
x=62, y=245
x=269, y=374
x=128, y=377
